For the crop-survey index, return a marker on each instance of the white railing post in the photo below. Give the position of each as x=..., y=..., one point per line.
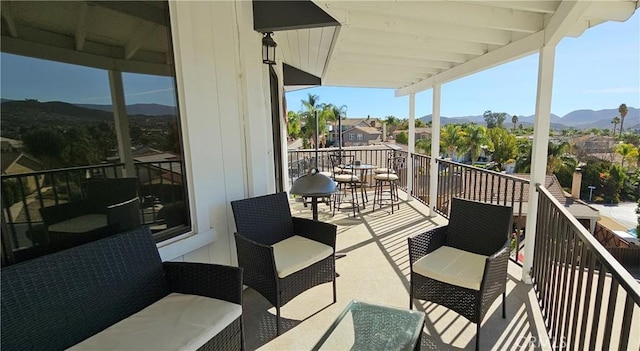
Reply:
x=435, y=151
x=412, y=144
x=539, y=154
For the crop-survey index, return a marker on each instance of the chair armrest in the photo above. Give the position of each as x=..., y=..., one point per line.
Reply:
x=314, y=230
x=427, y=242
x=494, y=279
x=210, y=280
x=125, y=215
x=62, y=212
x=257, y=262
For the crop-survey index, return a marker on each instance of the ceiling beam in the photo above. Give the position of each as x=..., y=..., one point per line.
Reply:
x=472, y=14
x=400, y=61
x=138, y=9
x=70, y=55
x=391, y=68
x=374, y=21
x=364, y=83
x=81, y=26
x=7, y=14
x=137, y=39
x=611, y=10
x=565, y=17
x=363, y=49
x=377, y=37
x=504, y=54
x=538, y=6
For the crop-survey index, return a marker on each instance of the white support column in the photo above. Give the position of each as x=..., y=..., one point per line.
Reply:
x=412, y=144
x=435, y=150
x=539, y=153
x=121, y=122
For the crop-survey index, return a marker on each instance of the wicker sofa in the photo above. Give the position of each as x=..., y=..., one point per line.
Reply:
x=115, y=294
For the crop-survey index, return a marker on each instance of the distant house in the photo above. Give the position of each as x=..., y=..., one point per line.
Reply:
x=361, y=136
x=349, y=123
x=18, y=163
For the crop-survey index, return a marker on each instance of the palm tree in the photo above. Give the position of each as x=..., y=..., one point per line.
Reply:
x=514, y=120
x=623, y=113
x=451, y=138
x=311, y=106
x=555, y=155
x=474, y=137
x=627, y=151
x=615, y=121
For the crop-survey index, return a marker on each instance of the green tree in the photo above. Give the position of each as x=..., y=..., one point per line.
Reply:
x=615, y=121
x=628, y=152
x=311, y=106
x=45, y=144
x=79, y=149
x=554, y=155
x=514, y=120
x=402, y=138
x=474, y=137
x=391, y=120
x=622, y=110
x=494, y=119
x=504, y=144
x=451, y=138
x=614, y=181
x=423, y=146
x=293, y=124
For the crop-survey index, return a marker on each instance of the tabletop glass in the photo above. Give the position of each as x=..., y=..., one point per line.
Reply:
x=365, y=326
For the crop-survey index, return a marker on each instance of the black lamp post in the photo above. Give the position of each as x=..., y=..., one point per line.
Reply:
x=268, y=49
x=314, y=184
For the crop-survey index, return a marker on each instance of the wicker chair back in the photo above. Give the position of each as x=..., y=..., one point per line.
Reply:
x=264, y=219
x=478, y=227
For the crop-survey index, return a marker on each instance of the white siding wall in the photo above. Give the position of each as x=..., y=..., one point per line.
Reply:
x=223, y=91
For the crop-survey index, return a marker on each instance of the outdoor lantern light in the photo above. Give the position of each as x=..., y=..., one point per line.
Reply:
x=268, y=49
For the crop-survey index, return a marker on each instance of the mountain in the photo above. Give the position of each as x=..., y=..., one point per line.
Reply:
x=138, y=109
x=579, y=119
x=18, y=115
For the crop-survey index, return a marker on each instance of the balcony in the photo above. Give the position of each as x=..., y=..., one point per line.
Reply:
x=581, y=296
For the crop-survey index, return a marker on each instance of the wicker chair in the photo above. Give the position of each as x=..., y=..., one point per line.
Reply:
x=463, y=265
x=282, y=256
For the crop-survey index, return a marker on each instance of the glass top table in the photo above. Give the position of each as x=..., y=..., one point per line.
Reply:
x=365, y=326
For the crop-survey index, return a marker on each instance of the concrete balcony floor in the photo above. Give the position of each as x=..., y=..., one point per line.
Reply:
x=376, y=269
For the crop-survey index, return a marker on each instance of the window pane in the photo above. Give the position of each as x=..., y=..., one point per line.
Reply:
x=72, y=169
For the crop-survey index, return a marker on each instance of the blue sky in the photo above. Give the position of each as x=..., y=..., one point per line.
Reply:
x=599, y=70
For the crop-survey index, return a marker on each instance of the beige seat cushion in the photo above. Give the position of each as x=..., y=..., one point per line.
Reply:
x=383, y=170
x=175, y=322
x=297, y=252
x=346, y=178
x=452, y=266
x=385, y=176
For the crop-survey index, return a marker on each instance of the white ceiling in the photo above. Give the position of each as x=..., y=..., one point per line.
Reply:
x=409, y=45
x=127, y=36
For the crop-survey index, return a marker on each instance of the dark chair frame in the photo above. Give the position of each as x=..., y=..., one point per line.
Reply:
x=477, y=227
x=265, y=220
x=346, y=187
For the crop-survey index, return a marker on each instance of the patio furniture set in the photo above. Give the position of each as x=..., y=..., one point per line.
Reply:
x=462, y=266
x=344, y=172
x=116, y=293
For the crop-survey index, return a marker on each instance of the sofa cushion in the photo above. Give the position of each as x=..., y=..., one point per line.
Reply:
x=176, y=322
x=452, y=266
x=297, y=252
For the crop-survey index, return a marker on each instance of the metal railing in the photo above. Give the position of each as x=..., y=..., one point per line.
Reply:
x=23, y=195
x=580, y=286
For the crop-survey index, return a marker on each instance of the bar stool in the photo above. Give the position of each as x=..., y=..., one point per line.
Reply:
x=347, y=183
x=390, y=179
